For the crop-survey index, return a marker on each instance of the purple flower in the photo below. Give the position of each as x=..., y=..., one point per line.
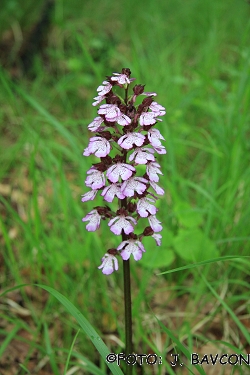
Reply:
x=122, y=79
x=120, y=170
x=95, y=124
x=144, y=207
x=98, y=146
x=96, y=179
x=157, y=238
x=147, y=118
x=123, y=120
x=154, y=137
x=147, y=93
x=160, y=149
x=156, y=188
x=109, y=264
x=133, y=247
x=158, y=109
x=132, y=185
x=98, y=99
x=110, y=111
x=113, y=114
x=128, y=140
x=155, y=223
x=104, y=88
x=89, y=196
x=122, y=222
x=153, y=171
x=94, y=220
x=142, y=155
x=110, y=191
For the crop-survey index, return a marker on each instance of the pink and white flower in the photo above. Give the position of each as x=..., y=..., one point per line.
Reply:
x=122, y=79
x=122, y=222
x=109, y=192
x=154, y=137
x=147, y=93
x=156, y=188
x=94, y=220
x=142, y=155
x=147, y=118
x=128, y=140
x=89, y=196
x=123, y=120
x=133, y=247
x=98, y=146
x=160, y=149
x=98, y=99
x=153, y=171
x=113, y=114
x=95, y=124
x=104, y=88
x=144, y=207
x=158, y=109
x=155, y=223
x=157, y=237
x=134, y=184
x=109, y=264
x=96, y=179
x=110, y=111
x=122, y=170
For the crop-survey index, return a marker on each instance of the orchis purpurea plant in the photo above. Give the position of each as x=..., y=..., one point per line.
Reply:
x=125, y=140
x=130, y=132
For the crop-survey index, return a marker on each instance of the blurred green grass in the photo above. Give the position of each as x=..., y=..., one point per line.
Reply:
x=196, y=56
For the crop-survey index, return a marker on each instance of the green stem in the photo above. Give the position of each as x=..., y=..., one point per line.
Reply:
x=128, y=313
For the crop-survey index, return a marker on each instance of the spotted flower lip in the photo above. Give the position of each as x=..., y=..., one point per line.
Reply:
x=158, y=109
x=148, y=118
x=160, y=149
x=95, y=124
x=128, y=140
x=109, y=264
x=113, y=114
x=154, y=137
x=153, y=171
x=109, y=192
x=155, y=223
x=119, y=223
x=94, y=220
x=110, y=111
x=122, y=170
x=123, y=120
x=145, y=207
x=104, y=88
x=95, y=179
x=132, y=185
x=89, y=196
x=122, y=79
x=142, y=155
x=98, y=99
x=133, y=247
x=98, y=146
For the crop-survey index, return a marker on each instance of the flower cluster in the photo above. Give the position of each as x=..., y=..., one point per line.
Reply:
x=128, y=131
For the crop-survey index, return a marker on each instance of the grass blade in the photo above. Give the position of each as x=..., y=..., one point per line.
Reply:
x=213, y=260
x=86, y=326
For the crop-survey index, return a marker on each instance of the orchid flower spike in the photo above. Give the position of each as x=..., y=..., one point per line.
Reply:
x=126, y=141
